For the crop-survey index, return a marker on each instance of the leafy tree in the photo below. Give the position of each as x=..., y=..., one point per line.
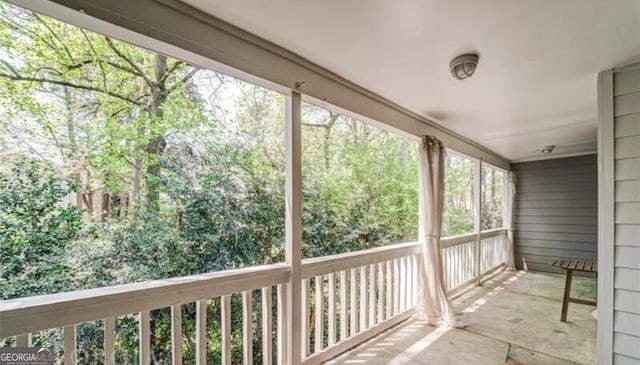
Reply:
x=36, y=229
x=119, y=85
x=458, y=206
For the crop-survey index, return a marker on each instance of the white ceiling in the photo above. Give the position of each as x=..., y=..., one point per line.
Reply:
x=536, y=80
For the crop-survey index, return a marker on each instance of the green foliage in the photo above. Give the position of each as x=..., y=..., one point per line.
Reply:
x=36, y=229
x=458, y=206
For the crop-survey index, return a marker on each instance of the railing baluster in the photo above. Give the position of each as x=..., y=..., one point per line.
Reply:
x=396, y=287
x=372, y=294
x=247, y=325
x=331, y=325
x=225, y=328
x=282, y=324
x=109, y=341
x=363, y=298
x=343, y=305
x=390, y=294
x=23, y=340
x=306, y=342
x=403, y=284
x=70, y=344
x=201, y=332
x=380, y=292
x=353, y=301
x=144, y=320
x=319, y=325
x=409, y=281
x=176, y=334
x=267, y=325
x=416, y=271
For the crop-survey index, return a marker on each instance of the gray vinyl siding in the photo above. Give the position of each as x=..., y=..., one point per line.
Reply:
x=626, y=316
x=556, y=211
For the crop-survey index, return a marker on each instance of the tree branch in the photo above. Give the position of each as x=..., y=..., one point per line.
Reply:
x=75, y=86
x=95, y=56
x=182, y=81
x=171, y=70
x=128, y=60
x=55, y=35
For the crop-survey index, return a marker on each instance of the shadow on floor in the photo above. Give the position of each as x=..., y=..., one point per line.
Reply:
x=514, y=318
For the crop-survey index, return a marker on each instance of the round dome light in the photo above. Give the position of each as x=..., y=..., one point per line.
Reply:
x=463, y=66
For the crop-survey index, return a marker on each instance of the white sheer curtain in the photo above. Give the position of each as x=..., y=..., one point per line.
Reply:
x=508, y=219
x=434, y=305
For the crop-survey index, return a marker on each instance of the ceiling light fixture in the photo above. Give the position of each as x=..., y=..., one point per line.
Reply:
x=547, y=149
x=463, y=66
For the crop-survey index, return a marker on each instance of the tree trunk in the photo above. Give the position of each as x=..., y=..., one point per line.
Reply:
x=106, y=206
x=157, y=144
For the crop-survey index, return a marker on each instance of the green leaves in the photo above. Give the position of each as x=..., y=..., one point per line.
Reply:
x=35, y=230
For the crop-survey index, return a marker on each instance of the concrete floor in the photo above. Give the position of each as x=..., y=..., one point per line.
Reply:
x=512, y=319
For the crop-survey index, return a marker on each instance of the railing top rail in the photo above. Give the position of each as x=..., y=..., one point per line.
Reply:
x=335, y=263
x=468, y=237
x=492, y=232
x=30, y=314
x=457, y=240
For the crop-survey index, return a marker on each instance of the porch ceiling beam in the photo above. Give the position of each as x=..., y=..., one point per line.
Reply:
x=180, y=25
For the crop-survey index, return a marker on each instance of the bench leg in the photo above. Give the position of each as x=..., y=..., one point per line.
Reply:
x=567, y=295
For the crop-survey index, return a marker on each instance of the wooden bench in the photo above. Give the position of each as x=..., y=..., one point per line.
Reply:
x=570, y=266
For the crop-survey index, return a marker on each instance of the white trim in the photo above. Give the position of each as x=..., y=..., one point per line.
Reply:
x=606, y=211
x=197, y=33
x=293, y=228
x=628, y=67
x=564, y=155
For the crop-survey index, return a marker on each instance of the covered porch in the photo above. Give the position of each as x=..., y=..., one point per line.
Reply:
x=364, y=306
x=360, y=307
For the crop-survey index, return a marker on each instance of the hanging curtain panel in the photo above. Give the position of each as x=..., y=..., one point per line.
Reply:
x=508, y=219
x=434, y=306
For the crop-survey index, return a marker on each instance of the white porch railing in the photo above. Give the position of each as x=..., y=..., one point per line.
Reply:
x=466, y=258
x=365, y=292
x=357, y=295
x=346, y=300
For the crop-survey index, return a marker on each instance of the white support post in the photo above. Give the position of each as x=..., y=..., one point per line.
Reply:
x=477, y=217
x=506, y=193
x=606, y=217
x=293, y=228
